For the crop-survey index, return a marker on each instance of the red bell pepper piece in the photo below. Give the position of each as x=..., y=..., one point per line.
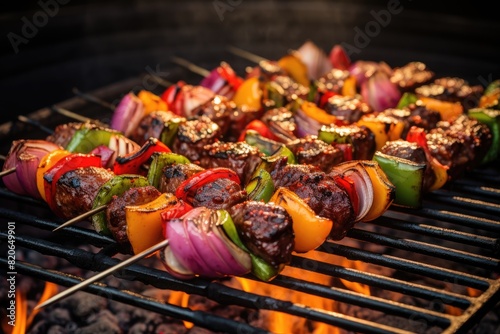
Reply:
x=198, y=180
x=346, y=183
x=172, y=96
x=261, y=128
x=66, y=164
x=346, y=149
x=228, y=74
x=324, y=98
x=132, y=163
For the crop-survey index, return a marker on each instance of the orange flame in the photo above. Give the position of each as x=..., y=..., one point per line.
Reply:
x=182, y=299
x=354, y=286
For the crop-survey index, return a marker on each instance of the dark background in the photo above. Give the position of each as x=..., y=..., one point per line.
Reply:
x=92, y=44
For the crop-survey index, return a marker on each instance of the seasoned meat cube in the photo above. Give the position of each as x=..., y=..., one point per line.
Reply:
x=76, y=189
x=174, y=175
x=414, y=115
x=281, y=122
x=266, y=69
x=193, y=135
x=291, y=89
x=475, y=136
x=238, y=156
x=153, y=124
x=63, y=133
x=320, y=192
x=452, y=89
x=361, y=138
x=238, y=120
x=448, y=151
x=115, y=212
x=312, y=151
x=333, y=81
x=347, y=108
x=411, y=76
x=219, y=110
x=220, y=194
x=413, y=152
x=266, y=230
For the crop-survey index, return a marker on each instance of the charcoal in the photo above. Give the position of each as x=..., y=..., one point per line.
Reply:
x=103, y=326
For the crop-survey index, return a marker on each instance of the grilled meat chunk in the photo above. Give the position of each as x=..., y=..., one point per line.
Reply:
x=76, y=189
x=361, y=138
x=238, y=156
x=413, y=152
x=460, y=145
x=173, y=175
x=219, y=110
x=115, y=212
x=154, y=124
x=347, y=108
x=266, y=230
x=320, y=192
x=312, y=151
x=220, y=194
x=411, y=76
x=333, y=81
x=414, y=115
x=193, y=135
x=291, y=90
x=238, y=120
x=452, y=89
x=281, y=122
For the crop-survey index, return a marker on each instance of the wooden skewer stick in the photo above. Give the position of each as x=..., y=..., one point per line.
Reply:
x=29, y=121
x=81, y=217
x=3, y=157
x=160, y=80
x=75, y=116
x=7, y=172
x=246, y=54
x=103, y=274
x=191, y=66
x=94, y=99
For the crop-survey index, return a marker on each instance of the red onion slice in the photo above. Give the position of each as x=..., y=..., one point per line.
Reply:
x=315, y=59
x=362, y=184
x=128, y=114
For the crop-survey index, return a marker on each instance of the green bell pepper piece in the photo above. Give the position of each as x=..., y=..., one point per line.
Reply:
x=491, y=118
x=86, y=139
x=159, y=162
x=407, y=176
x=261, y=186
x=334, y=134
x=114, y=187
x=265, y=145
x=406, y=100
x=260, y=268
x=492, y=88
x=275, y=93
x=169, y=132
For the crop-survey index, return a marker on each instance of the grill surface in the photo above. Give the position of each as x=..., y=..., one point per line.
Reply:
x=454, y=239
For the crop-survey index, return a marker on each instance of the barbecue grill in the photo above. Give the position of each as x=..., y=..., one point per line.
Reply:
x=454, y=239
x=434, y=269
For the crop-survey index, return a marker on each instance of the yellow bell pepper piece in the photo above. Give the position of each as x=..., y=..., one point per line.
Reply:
x=151, y=102
x=384, y=128
x=441, y=173
x=45, y=164
x=144, y=223
x=349, y=88
x=249, y=94
x=449, y=110
x=295, y=68
x=318, y=114
x=310, y=230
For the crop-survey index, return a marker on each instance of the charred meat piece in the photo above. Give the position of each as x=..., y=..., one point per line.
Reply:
x=193, y=135
x=175, y=174
x=281, y=122
x=414, y=115
x=333, y=81
x=361, y=138
x=320, y=192
x=312, y=151
x=266, y=230
x=347, y=108
x=153, y=124
x=452, y=89
x=219, y=110
x=238, y=156
x=448, y=151
x=475, y=136
x=266, y=70
x=411, y=76
x=115, y=212
x=413, y=152
x=291, y=90
x=76, y=189
x=220, y=194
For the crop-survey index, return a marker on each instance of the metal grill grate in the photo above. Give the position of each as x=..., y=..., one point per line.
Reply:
x=458, y=228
